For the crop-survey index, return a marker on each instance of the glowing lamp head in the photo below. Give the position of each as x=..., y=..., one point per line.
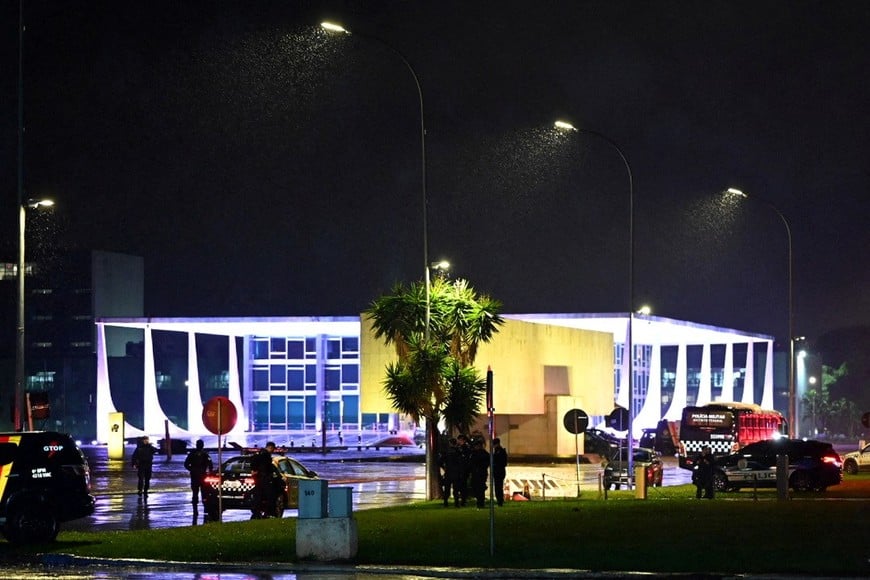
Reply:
x=332, y=27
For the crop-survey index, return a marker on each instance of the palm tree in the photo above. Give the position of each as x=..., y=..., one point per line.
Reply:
x=435, y=379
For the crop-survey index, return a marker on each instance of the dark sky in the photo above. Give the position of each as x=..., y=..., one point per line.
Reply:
x=264, y=167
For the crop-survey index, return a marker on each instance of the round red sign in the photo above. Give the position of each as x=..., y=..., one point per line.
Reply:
x=219, y=415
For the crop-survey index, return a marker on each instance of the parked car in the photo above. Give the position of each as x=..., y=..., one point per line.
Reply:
x=659, y=438
x=600, y=442
x=857, y=460
x=236, y=484
x=616, y=471
x=44, y=481
x=812, y=466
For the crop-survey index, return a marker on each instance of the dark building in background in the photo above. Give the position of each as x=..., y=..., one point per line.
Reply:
x=63, y=297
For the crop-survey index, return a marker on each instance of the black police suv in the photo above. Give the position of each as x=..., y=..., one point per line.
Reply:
x=44, y=481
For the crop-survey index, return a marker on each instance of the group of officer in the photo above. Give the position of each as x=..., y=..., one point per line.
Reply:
x=465, y=467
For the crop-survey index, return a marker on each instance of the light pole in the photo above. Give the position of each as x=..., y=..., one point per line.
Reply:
x=19, y=345
x=629, y=347
x=430, y=430
x=332, y=27
x=792, y=399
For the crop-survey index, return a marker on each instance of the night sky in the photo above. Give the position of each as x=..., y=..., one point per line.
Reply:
x=265, y=167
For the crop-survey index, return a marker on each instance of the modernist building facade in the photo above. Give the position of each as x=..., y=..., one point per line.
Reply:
x=306, y=374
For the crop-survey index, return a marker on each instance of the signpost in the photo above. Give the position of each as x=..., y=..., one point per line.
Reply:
x=575, y=422
x=490, y=411
x=219, y=416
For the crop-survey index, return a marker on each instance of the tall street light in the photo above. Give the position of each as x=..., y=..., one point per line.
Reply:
x=792, y=399
x=430, y=438
x=19, y=345
x=629, y=347
x=332, y=27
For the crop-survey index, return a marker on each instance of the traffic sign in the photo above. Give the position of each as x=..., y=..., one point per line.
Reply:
x=576, y=421
x=618, y=419
x=219, y=415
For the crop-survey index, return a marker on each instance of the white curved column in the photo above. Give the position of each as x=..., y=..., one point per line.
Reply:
x=651, y=411
x=622, y=393
x=728, y=374
x=705, y=378
x=194, y=399
x=235, y=391
x=681, y=386
x=767, y=392
x=749, y=376
x=105, y=405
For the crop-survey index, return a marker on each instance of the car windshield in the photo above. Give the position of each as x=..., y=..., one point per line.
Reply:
x=237, y=465
x=640, y=455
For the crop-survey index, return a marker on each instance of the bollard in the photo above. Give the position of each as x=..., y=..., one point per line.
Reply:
x=782, y=477
x=640, y=482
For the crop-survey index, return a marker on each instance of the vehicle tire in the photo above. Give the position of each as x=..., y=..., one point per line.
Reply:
x=280, y=504
x=801, y=481
x=851, y=467
x=720, y=482
x=31, y=524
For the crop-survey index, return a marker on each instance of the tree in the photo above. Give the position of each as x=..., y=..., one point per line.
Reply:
x=435, y=379
x=827, y=414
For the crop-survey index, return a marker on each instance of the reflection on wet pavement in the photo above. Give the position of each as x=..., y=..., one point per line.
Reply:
x=374, y=483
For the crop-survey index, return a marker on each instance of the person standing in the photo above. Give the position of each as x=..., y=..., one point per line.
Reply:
x=264, y=490
x=453, y=470
x=703, y=477
x=461, y=481
x=499, y=469
x=479, y=464
x=198, y=463
x=143, y=461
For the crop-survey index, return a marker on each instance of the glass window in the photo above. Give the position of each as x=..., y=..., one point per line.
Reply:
x=333, y=379
x=277, y=374
x=295, y=379
x=260, y=349
x=349, y=373
x=333, y=348
x=350, y=410
x=261, y=379
x=295, y=349
x=311, y=347
x=311, y=374
x=277, y=410
x=295, y=414
x=278, y=347
x=349, y=346
x=310, y=409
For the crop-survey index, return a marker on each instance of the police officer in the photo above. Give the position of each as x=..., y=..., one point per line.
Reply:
x=143, y=460
x=198, y=463
x=264, y=490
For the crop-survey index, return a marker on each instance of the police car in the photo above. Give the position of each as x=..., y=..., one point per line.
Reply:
x=233, y=487
x=812, y=466
x=857, y=460
x=44, y=481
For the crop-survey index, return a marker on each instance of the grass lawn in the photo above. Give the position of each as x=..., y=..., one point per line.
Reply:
x=669, y=532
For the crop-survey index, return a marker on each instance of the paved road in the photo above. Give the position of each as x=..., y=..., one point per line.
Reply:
x=397, y=478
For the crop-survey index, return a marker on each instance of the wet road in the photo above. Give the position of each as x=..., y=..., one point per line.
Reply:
x=398, y=477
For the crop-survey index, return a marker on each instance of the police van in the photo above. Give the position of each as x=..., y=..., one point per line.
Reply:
x=44, y=481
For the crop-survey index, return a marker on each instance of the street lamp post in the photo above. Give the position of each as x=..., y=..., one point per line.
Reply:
x=792, y=399
x=629, y=349
x=19, y=345
x=430, y=431
x=426, y=265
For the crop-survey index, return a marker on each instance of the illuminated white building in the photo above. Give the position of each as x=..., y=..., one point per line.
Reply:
x=297, y=374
